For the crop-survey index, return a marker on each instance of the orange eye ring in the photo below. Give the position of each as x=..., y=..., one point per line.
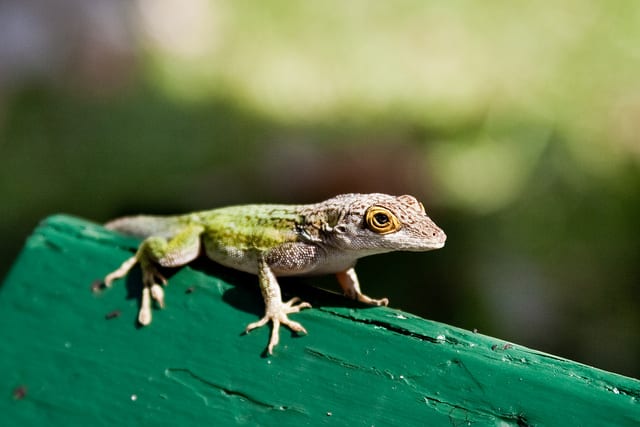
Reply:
x=381, y=220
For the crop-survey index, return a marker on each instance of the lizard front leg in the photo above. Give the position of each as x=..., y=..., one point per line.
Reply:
x=351, y=287
x=276, y=311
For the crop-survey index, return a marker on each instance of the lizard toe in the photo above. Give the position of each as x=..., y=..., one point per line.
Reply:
x=258, y=324
x=293, y=325
x=157, y=293
x=144, y=315
x=294, y=305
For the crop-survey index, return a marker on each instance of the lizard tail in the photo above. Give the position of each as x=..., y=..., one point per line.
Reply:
x=145, y=225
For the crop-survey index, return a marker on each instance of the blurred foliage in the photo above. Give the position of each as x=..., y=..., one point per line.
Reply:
x=518, y=124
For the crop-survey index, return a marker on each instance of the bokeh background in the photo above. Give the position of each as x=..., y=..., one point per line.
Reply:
x=517, y=124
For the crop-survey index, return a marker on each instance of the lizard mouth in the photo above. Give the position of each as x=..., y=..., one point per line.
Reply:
x=437, y=242
x=438, y=245
x=424, y=247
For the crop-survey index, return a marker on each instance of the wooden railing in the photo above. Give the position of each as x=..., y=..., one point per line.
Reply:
x=73, y=356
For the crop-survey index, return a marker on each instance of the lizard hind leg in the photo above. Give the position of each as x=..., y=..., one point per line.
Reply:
x=276, y=311
x=181, y=249
x=150, y=288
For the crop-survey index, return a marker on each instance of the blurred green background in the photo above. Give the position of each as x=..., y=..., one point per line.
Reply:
x=517, y=124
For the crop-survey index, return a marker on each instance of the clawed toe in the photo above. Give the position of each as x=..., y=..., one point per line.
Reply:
x=119, y=272
x=157, y=293
x=144, y=315
x=293, y=325
x=260, y=323
x=294, y=305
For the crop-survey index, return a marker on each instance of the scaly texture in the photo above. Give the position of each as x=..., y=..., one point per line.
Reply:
x=279, y=240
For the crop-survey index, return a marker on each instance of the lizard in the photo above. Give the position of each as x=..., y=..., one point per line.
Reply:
x=272, y=240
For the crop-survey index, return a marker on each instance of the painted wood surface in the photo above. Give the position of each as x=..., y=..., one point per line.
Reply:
x=70, y=356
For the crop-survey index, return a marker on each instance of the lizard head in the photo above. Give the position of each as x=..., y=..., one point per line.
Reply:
x=375, y=223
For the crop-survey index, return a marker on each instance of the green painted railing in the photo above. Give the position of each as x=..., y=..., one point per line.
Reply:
x=70, y=356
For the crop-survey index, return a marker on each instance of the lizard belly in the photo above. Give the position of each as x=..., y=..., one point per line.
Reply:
x=289, y=259
x=324, y=264
x=238, y=259
x=333, y=265
x=305, y=259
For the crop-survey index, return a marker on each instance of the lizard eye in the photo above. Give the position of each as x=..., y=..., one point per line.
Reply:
x=381, y=220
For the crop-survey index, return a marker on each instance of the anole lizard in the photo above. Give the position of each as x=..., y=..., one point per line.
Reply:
x=279, y=240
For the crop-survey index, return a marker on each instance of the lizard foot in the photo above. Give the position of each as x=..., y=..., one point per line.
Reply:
x=368, y=300
x=277, y=313
x=151, y=290
x=349, y=283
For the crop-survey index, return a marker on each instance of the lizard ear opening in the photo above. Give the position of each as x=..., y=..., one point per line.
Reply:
x=381, y=220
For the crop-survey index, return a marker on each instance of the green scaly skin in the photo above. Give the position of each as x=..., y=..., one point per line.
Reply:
x=279, y=240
